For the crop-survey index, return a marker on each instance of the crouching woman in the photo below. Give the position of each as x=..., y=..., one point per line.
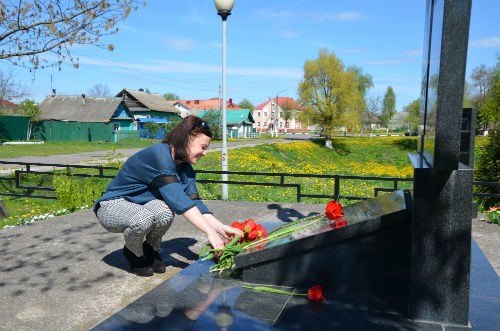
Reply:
x=151, y=187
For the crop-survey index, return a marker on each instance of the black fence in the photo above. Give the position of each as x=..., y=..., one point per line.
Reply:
x=282, y=180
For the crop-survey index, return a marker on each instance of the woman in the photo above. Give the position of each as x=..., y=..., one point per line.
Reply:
x=152, y=185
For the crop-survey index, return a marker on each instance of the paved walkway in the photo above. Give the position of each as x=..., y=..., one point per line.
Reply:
x=68, y=273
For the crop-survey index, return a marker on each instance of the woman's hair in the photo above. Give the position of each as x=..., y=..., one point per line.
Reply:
x=179, y=137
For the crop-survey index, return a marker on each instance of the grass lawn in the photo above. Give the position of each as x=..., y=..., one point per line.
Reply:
x=67, y=147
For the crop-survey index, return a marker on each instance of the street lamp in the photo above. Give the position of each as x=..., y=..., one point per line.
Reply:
x=224, y=8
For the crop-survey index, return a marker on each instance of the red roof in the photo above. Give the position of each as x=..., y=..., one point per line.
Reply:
x=7, y=103
x=210, y=104
x=282, y=101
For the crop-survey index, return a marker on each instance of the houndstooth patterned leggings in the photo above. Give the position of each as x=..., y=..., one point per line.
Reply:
x=136, y=222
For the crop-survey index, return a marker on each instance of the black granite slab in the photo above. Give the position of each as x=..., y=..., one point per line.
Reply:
x=369, y=255
x=215, y=303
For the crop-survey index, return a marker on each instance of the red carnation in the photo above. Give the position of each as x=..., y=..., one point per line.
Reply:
x=249, y=225
x=237, y=225
x=333, y=210
x=316, y=294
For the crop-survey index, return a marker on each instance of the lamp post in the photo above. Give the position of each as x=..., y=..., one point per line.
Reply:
x=224, y=8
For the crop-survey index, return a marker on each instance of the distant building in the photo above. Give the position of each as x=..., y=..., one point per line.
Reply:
x=192, y=107
x=144, y=104
x=239, y=123
x=7, y=107
x=270, y=116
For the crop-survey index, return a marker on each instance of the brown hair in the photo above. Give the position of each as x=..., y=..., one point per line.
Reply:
x=179, y=137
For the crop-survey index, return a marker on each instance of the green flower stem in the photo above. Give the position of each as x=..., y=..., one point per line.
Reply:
x=272, y=290
x=287, y=229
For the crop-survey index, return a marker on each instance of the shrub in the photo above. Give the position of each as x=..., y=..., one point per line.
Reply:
x=75, y=193
x=488, y=170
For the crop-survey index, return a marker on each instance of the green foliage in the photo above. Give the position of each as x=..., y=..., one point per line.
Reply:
x=330, y=94
x=214, y=119
x=490, y=111
x=246, y=104
x=388, y=106
x=74, y=193
x=413, y=110
x=171, y=96
x=153, y=128
x=488, y=170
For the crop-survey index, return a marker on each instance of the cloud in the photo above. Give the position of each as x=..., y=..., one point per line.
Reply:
x=413, y=52
x=384, y=62
x=181, y=44
x=289, y=34
x=167, y=66
x=341, y=16
x=348, y=16
x=486, y=42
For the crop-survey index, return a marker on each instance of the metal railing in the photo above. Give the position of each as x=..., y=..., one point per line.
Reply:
x=298, y=186
x=29, y=190
x=283, y=181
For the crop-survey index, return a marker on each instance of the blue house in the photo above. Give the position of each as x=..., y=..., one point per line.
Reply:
x=239, y=122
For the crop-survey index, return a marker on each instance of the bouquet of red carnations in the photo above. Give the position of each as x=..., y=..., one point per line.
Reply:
x=255, y=235
x=224, y=258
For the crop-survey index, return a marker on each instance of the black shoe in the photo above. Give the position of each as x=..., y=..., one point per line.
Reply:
x=138, y=265
x=154, y=258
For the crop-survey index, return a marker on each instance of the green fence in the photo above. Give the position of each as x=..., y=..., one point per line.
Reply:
x=72, y=131
x=13, y=128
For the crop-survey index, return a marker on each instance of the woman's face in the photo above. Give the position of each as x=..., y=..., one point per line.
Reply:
x=197, y=147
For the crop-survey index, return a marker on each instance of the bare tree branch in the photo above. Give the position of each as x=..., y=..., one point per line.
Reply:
x=31, y=28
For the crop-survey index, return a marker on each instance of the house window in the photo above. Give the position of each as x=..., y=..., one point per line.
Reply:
x=258, y=114
x=116, y=127
x=287, y=125
x=265, y=124
x=258, y=124
x=265, y=114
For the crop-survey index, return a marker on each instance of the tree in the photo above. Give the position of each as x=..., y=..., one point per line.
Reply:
x=372, y=112
x=246, y=104
x=490, y=110
x=365, y=81
x=488, y=170
x=99, y=91
x=288, y=111
x=30, y=109
x=171, y=96
x=31, y=28
x=413, y=110
x=482, y=79
x=10, y=89
x=328, y=92
x=388, y=106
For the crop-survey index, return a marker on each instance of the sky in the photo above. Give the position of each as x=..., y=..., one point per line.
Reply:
x=176, y=47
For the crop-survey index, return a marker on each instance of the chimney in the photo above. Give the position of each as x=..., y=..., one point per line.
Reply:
x=230, y=101
x=196, y=102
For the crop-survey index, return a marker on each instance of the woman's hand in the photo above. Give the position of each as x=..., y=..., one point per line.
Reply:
x=215, y=240
x=224, y=230
x=228, y=231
